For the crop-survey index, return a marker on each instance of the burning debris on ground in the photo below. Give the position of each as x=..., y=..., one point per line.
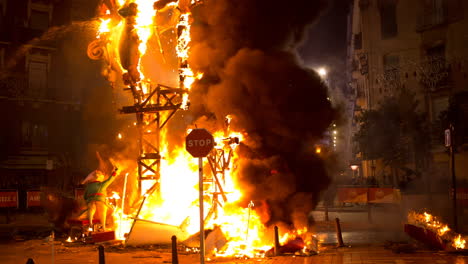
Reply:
x=432, y=233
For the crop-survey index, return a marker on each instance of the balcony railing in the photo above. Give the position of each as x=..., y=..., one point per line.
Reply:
x=435, y=74
x=13, y=86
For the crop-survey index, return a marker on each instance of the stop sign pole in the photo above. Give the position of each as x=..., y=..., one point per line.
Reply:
x=199, y=142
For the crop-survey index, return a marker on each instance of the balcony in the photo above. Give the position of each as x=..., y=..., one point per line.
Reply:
x=14, y=86
x=435, y=74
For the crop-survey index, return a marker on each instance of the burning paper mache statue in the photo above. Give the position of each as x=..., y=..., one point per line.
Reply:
x=95, y=195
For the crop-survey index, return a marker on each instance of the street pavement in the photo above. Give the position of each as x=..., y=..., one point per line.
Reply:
x=41, y=252
x=365, y=242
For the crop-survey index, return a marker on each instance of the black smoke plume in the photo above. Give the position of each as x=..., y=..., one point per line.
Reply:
x=246, y=50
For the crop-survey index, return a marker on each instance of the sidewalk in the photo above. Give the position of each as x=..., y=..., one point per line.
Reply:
x=366, y=240
x=24, y=226
x=41, y=252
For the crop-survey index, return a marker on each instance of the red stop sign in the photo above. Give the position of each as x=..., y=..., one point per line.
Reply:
x=199, y=142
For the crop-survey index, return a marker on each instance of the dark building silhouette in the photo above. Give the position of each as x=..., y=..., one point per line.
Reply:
x=41, y=94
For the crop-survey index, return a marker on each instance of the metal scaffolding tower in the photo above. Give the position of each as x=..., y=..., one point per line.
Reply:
x=153, y=106
x=219, y=160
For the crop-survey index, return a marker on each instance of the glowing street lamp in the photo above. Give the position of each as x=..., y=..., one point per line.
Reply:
x=318, y=150
x=355, y=169
x=322, y=72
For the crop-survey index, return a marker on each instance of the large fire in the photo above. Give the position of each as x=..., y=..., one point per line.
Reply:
x=129, y=32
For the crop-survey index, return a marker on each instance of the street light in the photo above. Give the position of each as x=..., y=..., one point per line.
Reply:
x=355, y=169
x=322, y=72
x=318, y=150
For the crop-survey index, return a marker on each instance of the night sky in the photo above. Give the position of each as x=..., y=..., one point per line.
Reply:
x=326, y=41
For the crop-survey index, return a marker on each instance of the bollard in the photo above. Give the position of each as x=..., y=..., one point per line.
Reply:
x=326, y=212
x=102, y=258
x=52, y=238
x=369, y=214
x=339, y=237
x=277, y=244
x=175, y=259
x=30, y=261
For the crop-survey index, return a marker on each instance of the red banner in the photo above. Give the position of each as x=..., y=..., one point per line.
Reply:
x=33, y=199
x=368, y=195
x=462, y=195
x=352, y=195
x=9, y=199
x=383, y=195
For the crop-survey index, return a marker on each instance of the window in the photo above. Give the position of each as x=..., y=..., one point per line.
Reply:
x=34, y=135
x=2, y=57
x=391, y=65
x=39, y=15
x=360, y=89
x=39, y=20
x=358, y=41
x=3, y=7
x=363, y=4
x=435, y=13
x=454, y=10
x=363, y=62
x=37, y=79
x=436, y=53
x=391, y=62
x=37, y=69
x=438, y=11
x=388, y=18
x=437, y=73
x=26, y=138
x=439, y=6
x=438, y=106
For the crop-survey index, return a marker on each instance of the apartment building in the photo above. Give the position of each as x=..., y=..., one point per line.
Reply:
x=40, y=97
x=419, y=45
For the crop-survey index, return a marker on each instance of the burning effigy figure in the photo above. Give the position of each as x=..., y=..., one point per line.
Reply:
x=95, y=196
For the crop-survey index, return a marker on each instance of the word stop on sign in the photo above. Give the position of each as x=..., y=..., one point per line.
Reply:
x=199, y=142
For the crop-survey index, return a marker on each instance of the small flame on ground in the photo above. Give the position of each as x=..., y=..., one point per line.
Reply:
x=459, y=242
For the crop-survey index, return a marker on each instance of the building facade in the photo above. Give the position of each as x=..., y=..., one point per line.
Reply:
x=416, y=45
x=40, y=97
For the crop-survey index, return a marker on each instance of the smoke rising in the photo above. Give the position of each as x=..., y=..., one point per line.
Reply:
x=246, y=50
